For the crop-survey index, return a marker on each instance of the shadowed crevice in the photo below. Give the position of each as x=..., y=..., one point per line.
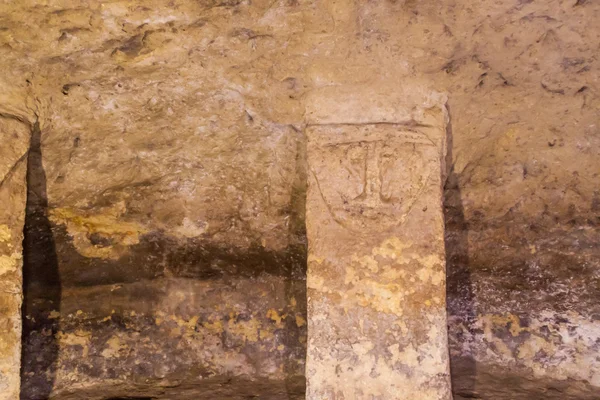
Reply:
x=459, y=286
x=41, y=284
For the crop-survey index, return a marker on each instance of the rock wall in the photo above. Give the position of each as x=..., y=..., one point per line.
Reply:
x=173, y=156
x=168, y=244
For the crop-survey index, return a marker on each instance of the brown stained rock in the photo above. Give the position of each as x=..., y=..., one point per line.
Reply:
x=376, y=270
x=14, y=139
x=171, y=332
x=180, y=120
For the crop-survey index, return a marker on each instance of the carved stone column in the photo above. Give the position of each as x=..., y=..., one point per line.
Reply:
x=376, y=269
x=14, y=141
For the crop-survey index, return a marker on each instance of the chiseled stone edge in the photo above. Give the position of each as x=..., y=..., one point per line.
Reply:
x=412, y=105
x=380, y=103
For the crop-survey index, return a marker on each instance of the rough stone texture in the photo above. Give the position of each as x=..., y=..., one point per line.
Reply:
x=14, y=136
x=375, y=226
x=164, y=199
x=169, y=333
x=133, y=96
x=529, y=305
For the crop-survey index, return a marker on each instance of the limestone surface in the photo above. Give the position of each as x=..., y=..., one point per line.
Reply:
x=172, y=141
x=376, y=270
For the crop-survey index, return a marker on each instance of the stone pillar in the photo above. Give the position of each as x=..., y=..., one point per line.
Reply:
x=14, y=141
x=376, y=268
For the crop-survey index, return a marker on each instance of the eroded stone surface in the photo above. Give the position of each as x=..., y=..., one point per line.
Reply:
x=132, y=95
x=512, y=306
x=376, y=272
x=168, y=333
x=14, y=137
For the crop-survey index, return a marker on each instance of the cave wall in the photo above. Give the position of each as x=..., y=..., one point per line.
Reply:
x=173, y=148
x=172, y=228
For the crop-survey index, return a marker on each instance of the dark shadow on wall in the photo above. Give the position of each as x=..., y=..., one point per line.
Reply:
x=41, y=284
x=295, y=282
x=459, y=286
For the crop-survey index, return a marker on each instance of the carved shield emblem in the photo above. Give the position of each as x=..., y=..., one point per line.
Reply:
x=370, y=176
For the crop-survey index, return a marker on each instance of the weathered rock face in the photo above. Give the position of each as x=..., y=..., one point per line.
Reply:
x=172, y=170
x=161, y=266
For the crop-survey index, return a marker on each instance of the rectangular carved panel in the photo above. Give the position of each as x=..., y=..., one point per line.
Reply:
x=376, y=272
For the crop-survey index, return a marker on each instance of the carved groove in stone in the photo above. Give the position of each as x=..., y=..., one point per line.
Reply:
x=377, y=174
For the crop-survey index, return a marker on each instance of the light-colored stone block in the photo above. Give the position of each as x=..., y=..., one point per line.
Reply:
x=376, y=269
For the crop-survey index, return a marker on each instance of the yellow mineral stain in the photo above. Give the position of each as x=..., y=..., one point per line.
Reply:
x=249, y=330
x=314, y=259
x=505, y=141
x=78, y=338
x=391, y=248
x=505, y=320
x=317, y=283
x=491, y=322
x=273, y=315
x=367, y=262
x=386, y=298
x=430, y=261
x=300, y=321
x=192, y=322
x=114, y=346
x=108, y=223
x=351, y=277
x=214, y=327
x=265, y=334
x=8, y=263
x=181, y=322
x=532, y=346
x=424, y=274
x=5, y=234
